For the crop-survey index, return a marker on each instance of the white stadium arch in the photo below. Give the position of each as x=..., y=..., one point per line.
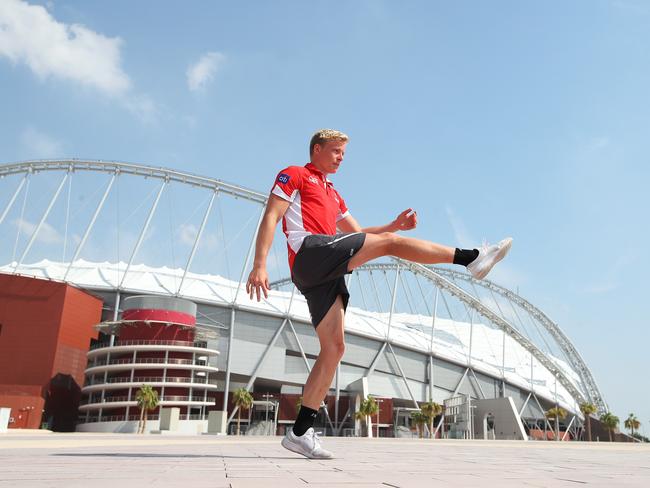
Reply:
x=414, y=332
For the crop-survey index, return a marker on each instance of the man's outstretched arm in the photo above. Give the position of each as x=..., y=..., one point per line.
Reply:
x=407, y=220
x=258, y=279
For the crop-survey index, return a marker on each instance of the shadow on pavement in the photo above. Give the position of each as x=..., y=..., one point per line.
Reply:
x=153, y=455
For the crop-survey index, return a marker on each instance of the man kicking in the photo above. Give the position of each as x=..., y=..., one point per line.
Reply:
x=312, y=213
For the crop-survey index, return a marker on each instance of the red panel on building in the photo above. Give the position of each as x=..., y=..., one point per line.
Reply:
x=45, y=333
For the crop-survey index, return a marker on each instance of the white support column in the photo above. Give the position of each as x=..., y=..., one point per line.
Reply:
x=43, y=218
x=532, y=383
x=392, y=302
x=401, y=372
x=431, y=352
x=248, y=255
x=568, y=427
x=302, y=351
x=371, y=369
x=523, y=407
x=546, y=422
x=259, y=364
x=13, y=198
x=231, y=333
x=67, y=221
x=433, y=320
x=337, y=397
x=503, y=365
x=480, y=388
x=431, y=384
x=90, y=225
x=231, y=338
x=196, y=241
x=145, y=227
x=116, y=311
x=442, y=418
x=126, y=414
x=471, y=336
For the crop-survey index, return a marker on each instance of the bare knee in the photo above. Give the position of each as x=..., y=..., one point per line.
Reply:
x=334, y=350
x=390, y=241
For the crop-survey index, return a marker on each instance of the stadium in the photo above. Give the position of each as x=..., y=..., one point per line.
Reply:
x=124, y=233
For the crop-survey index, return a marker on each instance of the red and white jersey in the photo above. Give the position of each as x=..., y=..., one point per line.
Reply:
x=315, y=206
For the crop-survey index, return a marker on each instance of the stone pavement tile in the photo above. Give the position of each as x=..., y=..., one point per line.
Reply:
x=250, y=467
x=333, y=477
x=256, y=474
x=348, y=484
x=264, y=482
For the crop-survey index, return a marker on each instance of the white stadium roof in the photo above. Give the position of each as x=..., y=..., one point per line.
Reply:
x=451, y=339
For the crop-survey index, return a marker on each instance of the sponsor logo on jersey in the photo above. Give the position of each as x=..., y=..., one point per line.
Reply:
x=283, y=178
x=314, y=180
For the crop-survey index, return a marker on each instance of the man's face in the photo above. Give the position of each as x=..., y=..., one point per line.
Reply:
x=329, y=156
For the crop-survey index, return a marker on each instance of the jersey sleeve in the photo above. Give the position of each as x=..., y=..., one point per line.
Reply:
x=288, y=183
x=343, y=208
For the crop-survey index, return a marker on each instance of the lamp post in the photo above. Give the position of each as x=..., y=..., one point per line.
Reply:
x=27, y=411
x=267, y=396
x=378, y=400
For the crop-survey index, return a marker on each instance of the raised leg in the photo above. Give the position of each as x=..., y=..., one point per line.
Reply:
x=390, y=244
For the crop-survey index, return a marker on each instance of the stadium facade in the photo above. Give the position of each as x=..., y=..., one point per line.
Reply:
x=413, y=333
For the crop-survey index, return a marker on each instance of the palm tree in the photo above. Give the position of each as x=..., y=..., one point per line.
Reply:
x=556, y=413
x=632, y=423
x=588, y=409
x=610, y=421
x=298, y=405
x=431, y=410
x=420, y=419
x=360, y=415
x=242, y=399
x=147, y=399
x=372, y=408
x=368, y=407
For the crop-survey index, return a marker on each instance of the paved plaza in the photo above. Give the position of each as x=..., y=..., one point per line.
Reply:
x=124, y=460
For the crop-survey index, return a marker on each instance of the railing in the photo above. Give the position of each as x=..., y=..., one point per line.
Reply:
x=123, y=418
x=103, y=362
x=153, y=379
x=101, y=345
x=167, y=398
x=115, y=418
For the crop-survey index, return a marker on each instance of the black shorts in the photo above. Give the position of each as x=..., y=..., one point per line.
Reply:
x=319, y=269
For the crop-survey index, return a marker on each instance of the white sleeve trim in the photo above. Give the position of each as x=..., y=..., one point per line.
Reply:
x=280, y=193
x=342, y=216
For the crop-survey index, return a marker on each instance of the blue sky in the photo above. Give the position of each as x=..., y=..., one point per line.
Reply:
x=529, y=119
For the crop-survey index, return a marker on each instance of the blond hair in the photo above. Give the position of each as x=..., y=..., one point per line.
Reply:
x=321, y=136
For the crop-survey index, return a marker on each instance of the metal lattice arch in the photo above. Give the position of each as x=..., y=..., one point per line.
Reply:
x=413, y=332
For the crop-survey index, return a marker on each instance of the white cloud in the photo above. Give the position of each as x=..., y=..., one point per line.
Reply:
x=599, y=143
x=47, y=234
x=40, y=145
x=502, y=274
x=30, y=35
x=202, y=72
x=505, y=275
x=187, y=235
x=461, y=234
x=600, y=288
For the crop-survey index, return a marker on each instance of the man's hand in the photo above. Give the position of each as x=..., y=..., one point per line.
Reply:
x=407, y=220
x=258, y=279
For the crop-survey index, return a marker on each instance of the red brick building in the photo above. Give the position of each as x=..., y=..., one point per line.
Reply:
x=45, y=332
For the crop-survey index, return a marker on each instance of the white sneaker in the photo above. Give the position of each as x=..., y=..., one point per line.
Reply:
x=307, y=444
x=488, y=256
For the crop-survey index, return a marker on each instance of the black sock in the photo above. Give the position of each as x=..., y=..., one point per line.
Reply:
x=305, y=420
x=465, y=256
